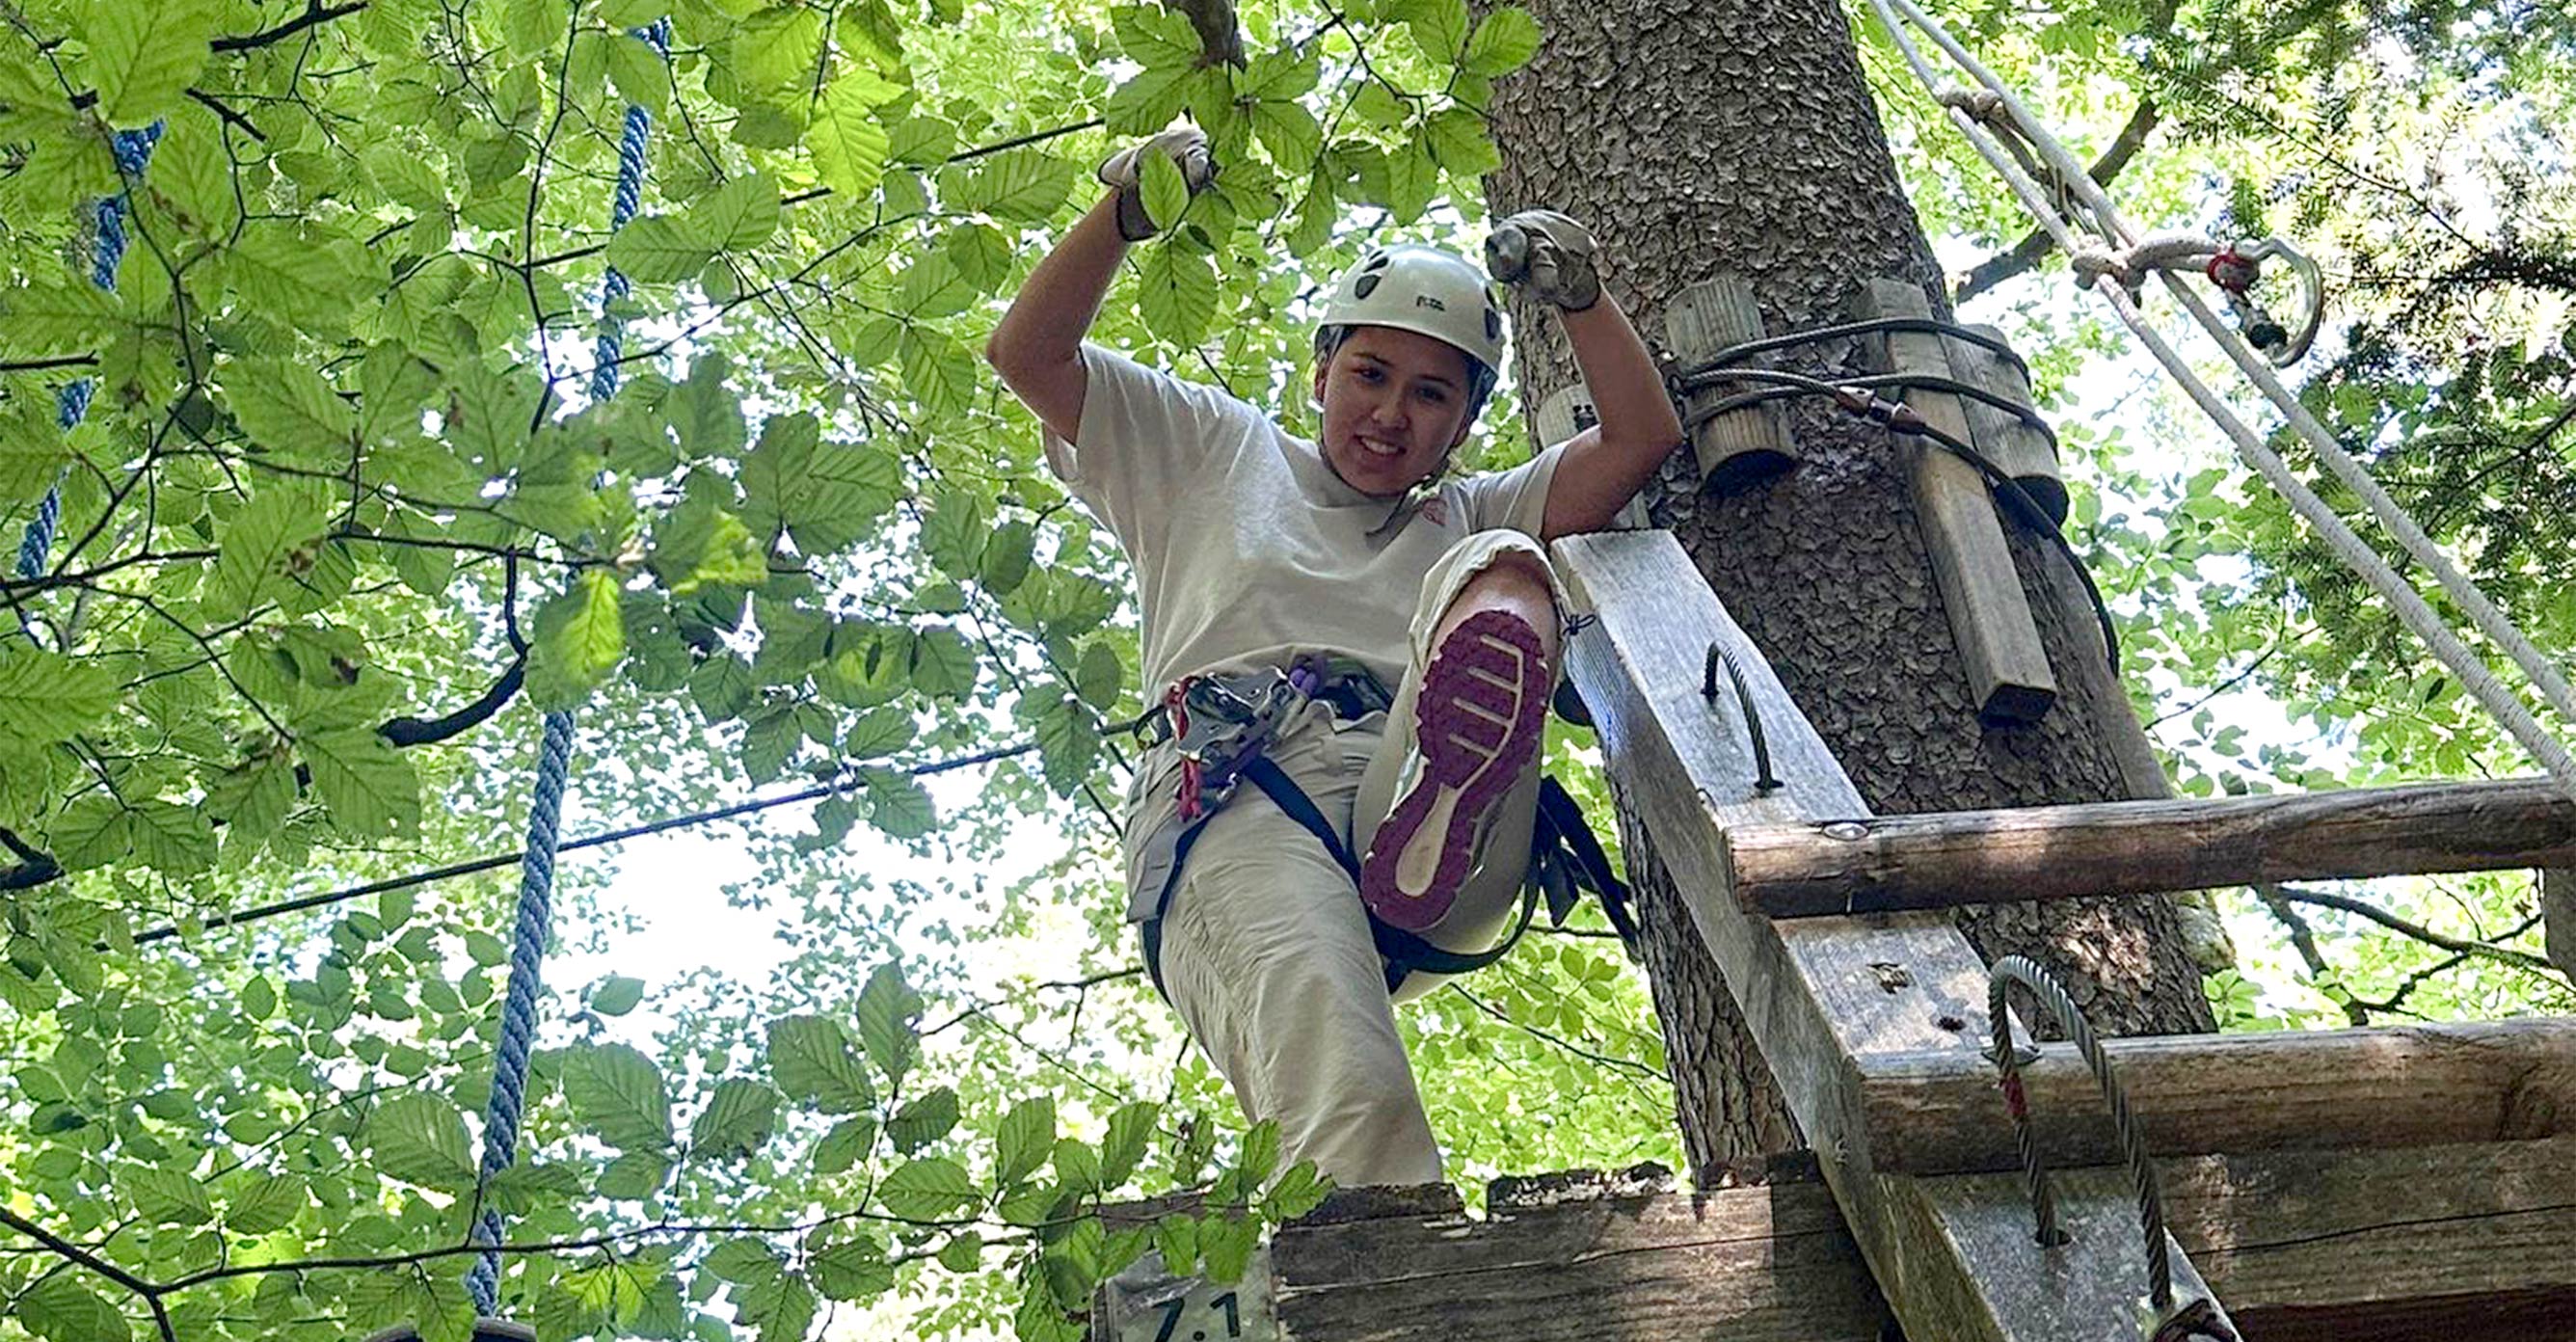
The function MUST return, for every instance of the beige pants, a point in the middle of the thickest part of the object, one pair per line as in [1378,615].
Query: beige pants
[1265,945]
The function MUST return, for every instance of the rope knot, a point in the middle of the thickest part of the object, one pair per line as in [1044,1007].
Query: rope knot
[1983,104]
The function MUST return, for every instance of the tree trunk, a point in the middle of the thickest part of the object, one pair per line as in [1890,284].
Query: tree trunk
[1740,137]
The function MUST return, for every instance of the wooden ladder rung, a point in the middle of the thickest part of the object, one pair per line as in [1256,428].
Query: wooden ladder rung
[1890,862]
[2396,1087]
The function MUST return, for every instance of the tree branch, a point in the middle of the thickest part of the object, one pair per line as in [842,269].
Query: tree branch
[2523,960]
[151,1294]
[2036,244]
[315,14]
[33,868]
[40,365]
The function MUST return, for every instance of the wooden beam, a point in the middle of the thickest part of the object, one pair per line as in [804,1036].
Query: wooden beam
[2437,1244]
[2008,674]
[1937,860]
[2404,1086]
[1824,998]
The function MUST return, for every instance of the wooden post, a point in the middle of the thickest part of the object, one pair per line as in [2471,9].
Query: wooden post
[2008,673]
[1947,858]
[1826,998]
[1566,412]
[2025,451]
[1740,447]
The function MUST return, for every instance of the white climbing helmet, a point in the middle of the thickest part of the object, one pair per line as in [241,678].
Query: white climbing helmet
[1423,290]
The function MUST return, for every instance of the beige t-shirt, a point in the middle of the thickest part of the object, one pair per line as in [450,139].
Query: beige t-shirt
[1247,548]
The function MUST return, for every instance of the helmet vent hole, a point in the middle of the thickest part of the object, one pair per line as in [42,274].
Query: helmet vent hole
[1364,286]
[1376,261]
[1493,324]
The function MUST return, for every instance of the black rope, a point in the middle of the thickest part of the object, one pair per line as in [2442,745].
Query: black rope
[1901,418]
[481,864]
[1706,374]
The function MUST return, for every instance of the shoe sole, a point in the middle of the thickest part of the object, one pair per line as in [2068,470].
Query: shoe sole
[1477,724]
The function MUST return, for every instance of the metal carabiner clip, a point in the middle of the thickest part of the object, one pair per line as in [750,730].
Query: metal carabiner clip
[2282,343]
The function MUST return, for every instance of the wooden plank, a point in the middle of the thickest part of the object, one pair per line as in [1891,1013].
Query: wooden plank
[1745,1264]
[1743,446]
[2439,1244]
[2421,1085]
[2147,847]
[2020,448]
[1823,997]
[1990,620]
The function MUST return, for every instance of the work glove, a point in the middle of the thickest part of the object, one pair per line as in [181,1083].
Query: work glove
[1546,255]
[1185,146]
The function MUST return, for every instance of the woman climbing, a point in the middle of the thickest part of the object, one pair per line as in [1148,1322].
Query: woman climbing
[1284,584]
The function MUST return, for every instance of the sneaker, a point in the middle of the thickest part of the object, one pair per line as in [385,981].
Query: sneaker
[1477,725]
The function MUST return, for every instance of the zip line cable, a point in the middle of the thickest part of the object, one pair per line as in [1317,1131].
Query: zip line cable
[2506,706]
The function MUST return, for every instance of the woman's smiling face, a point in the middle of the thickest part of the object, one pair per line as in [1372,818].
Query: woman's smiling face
[1395,403]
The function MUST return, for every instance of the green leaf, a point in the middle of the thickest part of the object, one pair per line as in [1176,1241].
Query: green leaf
[193,174]
[899,805]
[1177,292]
[616,995]
[53,316]
[1158,39]
[45,697]
[741,214]
[273,539]
[1068,744]
[1004,565]
[1129,1130]
[1147,103]
[1027,1135]
[368,786]
[32,455]
[60,1308]
[633,1176]
[1505,41]
[777,49]
[933,287]
[922,1120]
[811,1059]
[888,1010]
[660,249]
[745,1262]
[642,77]
[1023,185]
[849,144]
[1439,29]
[1412,178]
[877,733]
[420,1138]
[937,370]
[842,1147]
[171,838]
[739,1118]
[928,1190]
[944,664]
[1457,139]
[142,56]
[287,407]
[166,1196]
[1101,677]
[1165,192]
[618,1093]
[963,1253]
[854,1269]
[269,1202]
[721,687]
[580,638]
[1290,133]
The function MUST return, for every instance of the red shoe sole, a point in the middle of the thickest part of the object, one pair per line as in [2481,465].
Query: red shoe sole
[1477,724]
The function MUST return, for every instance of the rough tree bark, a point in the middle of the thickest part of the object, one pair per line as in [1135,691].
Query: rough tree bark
[1740,136]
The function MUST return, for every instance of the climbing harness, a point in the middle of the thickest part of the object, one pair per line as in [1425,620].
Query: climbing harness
[1222,726]
[133,152]
[2161,1317]
[502,1113]
[1902,18]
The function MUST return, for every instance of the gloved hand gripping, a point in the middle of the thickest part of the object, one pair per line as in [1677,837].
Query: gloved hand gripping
[1548,255]
[1185,146]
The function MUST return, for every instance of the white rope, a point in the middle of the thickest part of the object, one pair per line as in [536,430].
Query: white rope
[2474,674]
[2482,612]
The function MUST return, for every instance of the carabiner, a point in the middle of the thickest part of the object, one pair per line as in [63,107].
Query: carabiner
[2283,344]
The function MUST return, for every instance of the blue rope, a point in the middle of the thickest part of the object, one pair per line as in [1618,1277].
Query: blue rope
[554,755]
[133,150]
